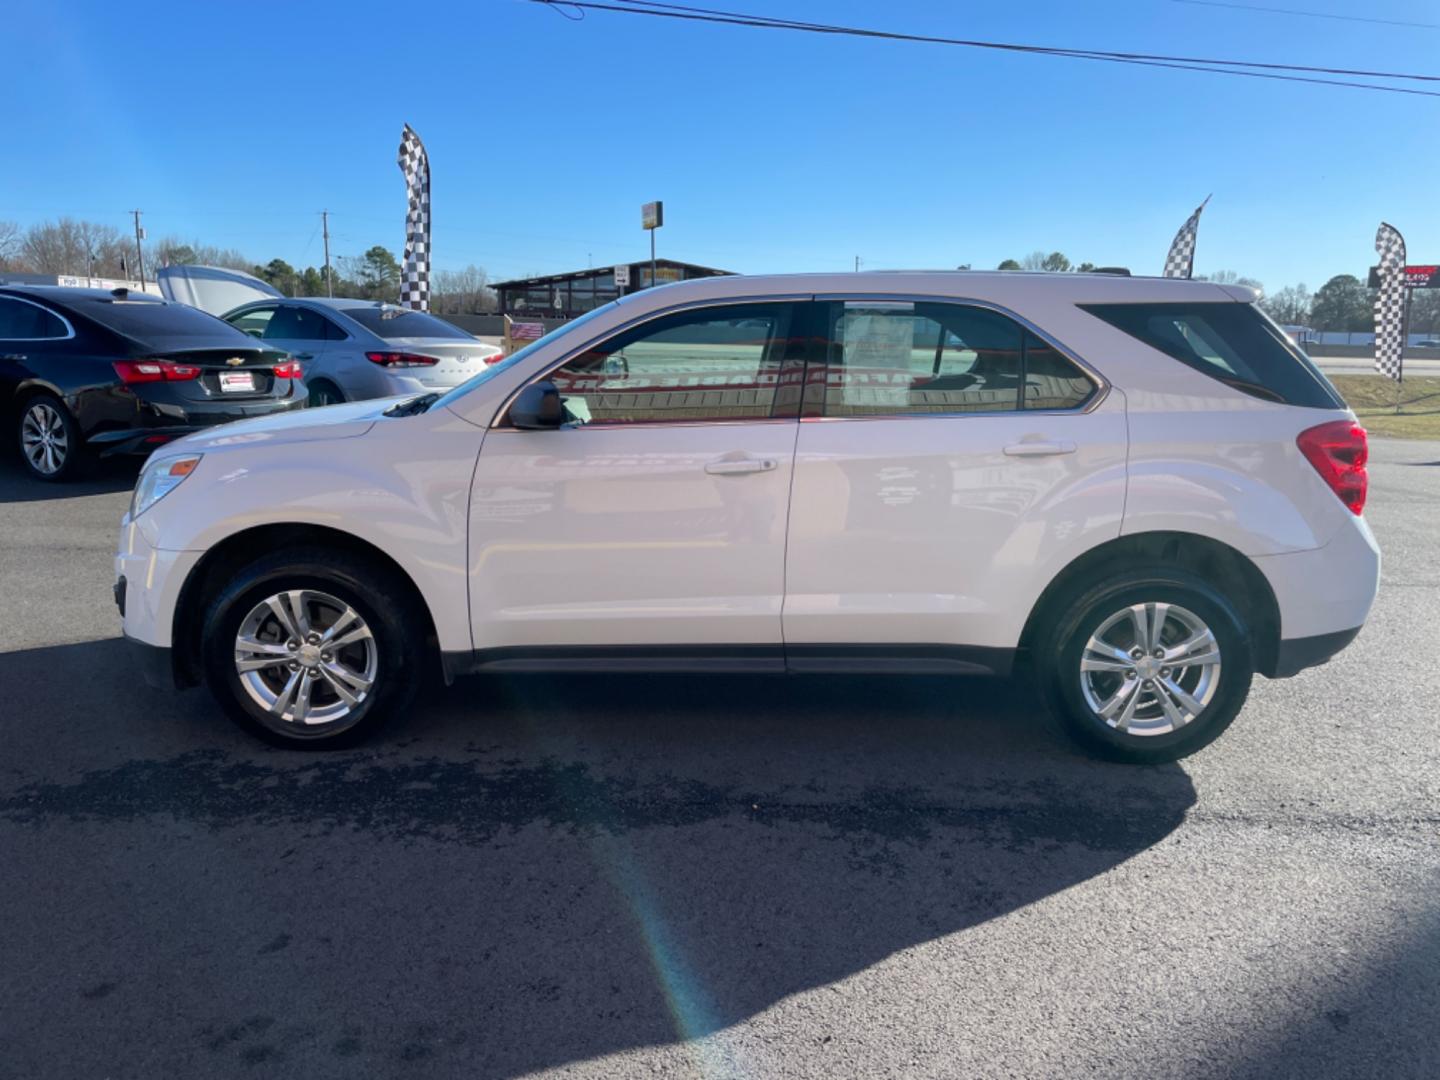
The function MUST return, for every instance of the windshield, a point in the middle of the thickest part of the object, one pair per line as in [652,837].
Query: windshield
[391,321]
[510,361]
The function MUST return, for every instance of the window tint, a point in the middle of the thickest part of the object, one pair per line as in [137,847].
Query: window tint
[887,358]
[719,363]
[22,320]
[392,322]
[253,322]
[296,324]
[1229,341]
[1051,380]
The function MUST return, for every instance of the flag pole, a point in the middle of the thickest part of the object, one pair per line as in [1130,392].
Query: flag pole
[1404,340]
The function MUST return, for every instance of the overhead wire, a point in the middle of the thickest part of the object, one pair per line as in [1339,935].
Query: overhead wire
[1301,73]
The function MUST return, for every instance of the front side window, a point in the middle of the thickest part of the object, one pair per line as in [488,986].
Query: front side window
[714,364]
[22,321]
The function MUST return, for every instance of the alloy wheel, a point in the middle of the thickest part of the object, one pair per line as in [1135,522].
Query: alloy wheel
[43,438]
[1150,669]
[306,658]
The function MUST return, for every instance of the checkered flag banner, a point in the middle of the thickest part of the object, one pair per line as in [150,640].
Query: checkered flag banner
[415,273]
[1390,302]
[1181,260]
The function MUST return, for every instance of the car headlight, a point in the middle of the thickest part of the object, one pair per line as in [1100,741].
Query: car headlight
[158,479]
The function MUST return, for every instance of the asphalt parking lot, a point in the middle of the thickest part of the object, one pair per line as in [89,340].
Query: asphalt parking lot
[613,877]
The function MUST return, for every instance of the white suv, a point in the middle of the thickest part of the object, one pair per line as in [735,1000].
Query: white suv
[1138,486]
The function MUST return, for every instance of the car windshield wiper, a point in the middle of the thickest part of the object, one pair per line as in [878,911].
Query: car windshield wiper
[414,406]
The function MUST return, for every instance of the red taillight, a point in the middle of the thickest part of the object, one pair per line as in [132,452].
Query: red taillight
[1338,451]
[143,371]
[488,360]
[290,369]
[401,359]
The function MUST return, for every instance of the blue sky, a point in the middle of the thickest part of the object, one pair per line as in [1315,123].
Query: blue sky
[773,151]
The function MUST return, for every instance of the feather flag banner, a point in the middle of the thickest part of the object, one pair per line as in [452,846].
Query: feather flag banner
[415,271]
[1181,260]
[1390,303]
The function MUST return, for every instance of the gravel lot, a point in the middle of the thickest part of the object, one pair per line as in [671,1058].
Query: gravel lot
[601,877]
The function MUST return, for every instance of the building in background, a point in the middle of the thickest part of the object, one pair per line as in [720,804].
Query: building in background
[564,296]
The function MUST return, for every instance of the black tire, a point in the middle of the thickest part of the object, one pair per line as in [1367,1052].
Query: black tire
[388,607]
[1077,616]
[46,410]
[324,392]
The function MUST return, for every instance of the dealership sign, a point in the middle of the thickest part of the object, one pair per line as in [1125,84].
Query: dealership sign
[1416,277]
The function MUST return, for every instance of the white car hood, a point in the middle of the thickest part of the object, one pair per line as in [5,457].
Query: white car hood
[345,421]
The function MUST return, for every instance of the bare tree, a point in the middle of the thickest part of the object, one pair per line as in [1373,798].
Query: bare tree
[9,244]
[172,251]
[461,292]
[70,246]
[1290,306]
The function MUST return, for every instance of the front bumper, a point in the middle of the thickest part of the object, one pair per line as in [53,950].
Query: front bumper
[154,664]
[147,585]
[1297,654]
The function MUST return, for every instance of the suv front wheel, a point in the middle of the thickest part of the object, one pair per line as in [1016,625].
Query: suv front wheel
[309,648]
[1146,666]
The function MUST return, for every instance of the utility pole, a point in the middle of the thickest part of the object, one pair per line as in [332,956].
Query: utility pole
[857,264]
[325,225]
[139,257]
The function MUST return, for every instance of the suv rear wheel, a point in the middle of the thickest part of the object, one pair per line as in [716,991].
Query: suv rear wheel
[312,649]
[1146,666]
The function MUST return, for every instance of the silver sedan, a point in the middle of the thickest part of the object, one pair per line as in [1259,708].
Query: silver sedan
[356,349]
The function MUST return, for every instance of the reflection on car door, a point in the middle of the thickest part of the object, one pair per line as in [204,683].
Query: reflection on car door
[657,516]
[950,452]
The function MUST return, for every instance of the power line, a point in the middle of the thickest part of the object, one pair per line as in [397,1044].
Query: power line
[1281,72]
[1309,14]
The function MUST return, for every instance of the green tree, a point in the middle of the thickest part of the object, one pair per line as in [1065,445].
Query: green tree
[379,273]
[1342,303]
[1009,264]
[1085,268]
[312,282]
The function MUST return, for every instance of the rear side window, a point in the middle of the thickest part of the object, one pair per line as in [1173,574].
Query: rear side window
[1228,341]
[23,321]
[890,358]
[391,322]
[297,324]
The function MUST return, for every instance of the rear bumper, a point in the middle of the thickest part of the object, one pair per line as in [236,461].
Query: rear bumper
[1297,654]
[156,423]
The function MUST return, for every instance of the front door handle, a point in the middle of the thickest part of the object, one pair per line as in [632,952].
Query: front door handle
[740,466]
[1037,448]
[304,356]
[13,356]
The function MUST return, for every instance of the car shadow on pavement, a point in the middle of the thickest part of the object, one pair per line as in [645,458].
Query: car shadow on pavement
[107,475]
[526,872]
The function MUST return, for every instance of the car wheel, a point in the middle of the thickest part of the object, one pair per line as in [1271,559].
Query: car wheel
[50,441]
[324,393]
[313,649]
[1147,666]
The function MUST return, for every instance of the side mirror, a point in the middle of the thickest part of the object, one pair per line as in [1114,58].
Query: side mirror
[537,407]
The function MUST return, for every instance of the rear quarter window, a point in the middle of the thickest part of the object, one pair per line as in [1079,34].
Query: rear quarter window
[1231,342]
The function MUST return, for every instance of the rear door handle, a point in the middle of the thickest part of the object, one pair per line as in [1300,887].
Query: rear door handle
[304,356]
[741,466]
[13,356]
[1039,449]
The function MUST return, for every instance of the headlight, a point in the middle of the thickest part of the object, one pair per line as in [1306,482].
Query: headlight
[159,479]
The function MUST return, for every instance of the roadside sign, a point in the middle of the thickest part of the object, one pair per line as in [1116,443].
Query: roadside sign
[622,277]
[1416,277]
[652,215]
